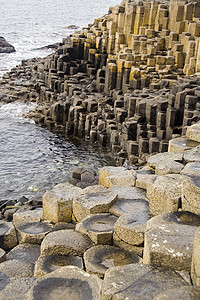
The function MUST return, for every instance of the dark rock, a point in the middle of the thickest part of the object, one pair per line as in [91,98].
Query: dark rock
[5,47]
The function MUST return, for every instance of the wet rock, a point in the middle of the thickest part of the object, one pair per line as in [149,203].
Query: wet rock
[26,252]
[195,269]
[17,288]
[111,176]
[65,242]
[23,216]
[67,282]
[8,235]
[169,240]
[32,233]
[57,203]
[165,194]
[5,47]
[49,263]
[185,292]
[191,194]
[95,199]
[17,268]
[137,281]
[99,228]
[99,258]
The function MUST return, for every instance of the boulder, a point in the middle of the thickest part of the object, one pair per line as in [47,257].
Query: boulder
[137,281]
[111,176]
[99,228]
[95,199]
[66,283]
[169,240]
[65,242]
[57,203]
[100,258]
[191,194]
[5,47]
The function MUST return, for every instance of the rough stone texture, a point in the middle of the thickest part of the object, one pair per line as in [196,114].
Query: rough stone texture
[5,47]
[23,216]
[49,263]
[2,255]
[17,289]
[168,167]
[191,169]
[99,228]
[7,235]
[145,181]
[95,199]
[32,233]
[181,144]
[66,283]
[192,155]
[57,203]
[165,194]
[169,240]
[111,176]
[185,292]
[137,281]
[191,194]
[16,268]
[126,246]
[99,258]
[65,242]
[26,252]
[195,269]
[193,132]
[130,228]
[154,160]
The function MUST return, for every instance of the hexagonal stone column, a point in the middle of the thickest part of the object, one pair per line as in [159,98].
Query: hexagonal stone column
[193,132]
[57,203]
[99,259]
[8,236]
[65,242]
[195,270]
[32,233]
[169,240]
[111,176]
[68,283]
[99,228]
[95,199]
[191,194]
[137,281]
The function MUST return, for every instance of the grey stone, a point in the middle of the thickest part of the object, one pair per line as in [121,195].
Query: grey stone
[181,144]
[191,194]
[7,235]
[99,258]
[191,169]
[32,233]
[127,247]
[195,269]
[23,216]
[185,292]
[28,252]
[17,289]
[192,155]
[168,167]
[137,281]
[16,268]
[155,160]
[65,242]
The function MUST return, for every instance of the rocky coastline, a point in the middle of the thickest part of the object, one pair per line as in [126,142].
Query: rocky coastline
[5,47]
[128,82]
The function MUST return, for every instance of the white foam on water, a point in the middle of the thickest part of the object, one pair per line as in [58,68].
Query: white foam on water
[17,110]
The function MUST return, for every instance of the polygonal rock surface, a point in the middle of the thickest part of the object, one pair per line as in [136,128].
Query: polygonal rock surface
[192,155]
[191,194]
[127,247]
[99,258]
[66,283]
[193,132]
[57,203]
[95,199]
[168,167]
[169,240]
[2,255]
[26,252]
[65,242]
[111,176]
[23,216]
[32,233]
[155,160]
[49,263]
[192,169]
[17,268]
[137,281]
[181,144]
[17,289]
[7,235]
[185,292]
[195,270]
[99,228]
[165,194]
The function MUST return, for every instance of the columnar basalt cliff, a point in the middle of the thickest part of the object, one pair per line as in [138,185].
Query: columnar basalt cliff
[124,81]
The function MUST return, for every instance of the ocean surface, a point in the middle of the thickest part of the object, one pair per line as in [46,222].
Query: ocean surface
[32,159]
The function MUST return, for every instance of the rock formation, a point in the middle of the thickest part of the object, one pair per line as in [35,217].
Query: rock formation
[5,47]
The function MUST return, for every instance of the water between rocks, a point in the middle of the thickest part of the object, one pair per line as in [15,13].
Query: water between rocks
[33,159]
